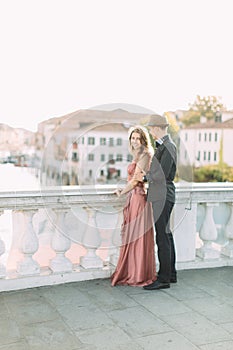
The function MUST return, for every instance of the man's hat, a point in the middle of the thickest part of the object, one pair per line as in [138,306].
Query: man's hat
[157,120]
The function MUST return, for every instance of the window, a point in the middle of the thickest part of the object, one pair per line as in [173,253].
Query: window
[111,141]
[119,142]
[209,156]
[91,140]
[102,157]
[103,141]
[74,157]
[129,157]
[218,117]
[198,155]
[216,137]
[91,157]
[205,136]
[101,172]
[204,155]
[90,173]
[110,157]
[81,140]
[199,136]
[119,158]
[215,156]
[210,136]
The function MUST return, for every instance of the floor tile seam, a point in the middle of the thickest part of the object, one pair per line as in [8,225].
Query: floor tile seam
[225,304]
[218,342]
[67,328]
[231,335]
[162,317]
[15,342]
[226,323]
[19,323]
[7,309]
[120,308]
[75,331]
[213,343]
[10,312]
[112,326]
[202,289]
[55,305]
[149,334]
[29,303]
[205,316]
[229,332]
[115,322]
[158,317]
[172,331]
[194,344]
[145,307]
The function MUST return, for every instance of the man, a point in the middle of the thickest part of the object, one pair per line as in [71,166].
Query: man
[161,192]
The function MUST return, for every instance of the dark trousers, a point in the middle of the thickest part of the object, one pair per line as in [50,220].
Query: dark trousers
[164,240]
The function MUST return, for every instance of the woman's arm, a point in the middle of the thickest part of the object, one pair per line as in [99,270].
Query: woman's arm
[141,167]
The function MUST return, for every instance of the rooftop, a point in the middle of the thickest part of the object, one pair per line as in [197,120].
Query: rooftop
[228,124]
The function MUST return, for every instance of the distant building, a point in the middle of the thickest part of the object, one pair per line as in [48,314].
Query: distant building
[86,147]
[207,143]
[16,143]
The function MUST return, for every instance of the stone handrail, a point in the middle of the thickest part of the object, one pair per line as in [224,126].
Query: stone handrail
[71,233]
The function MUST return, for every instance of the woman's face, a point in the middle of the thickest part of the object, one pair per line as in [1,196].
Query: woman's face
[135,140]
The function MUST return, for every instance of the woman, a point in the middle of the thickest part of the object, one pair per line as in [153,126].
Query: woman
[136,263]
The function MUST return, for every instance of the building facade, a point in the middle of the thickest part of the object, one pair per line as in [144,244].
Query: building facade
[86,147]
[206,143]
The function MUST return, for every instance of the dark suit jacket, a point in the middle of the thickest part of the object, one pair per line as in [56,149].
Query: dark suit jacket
[162,172]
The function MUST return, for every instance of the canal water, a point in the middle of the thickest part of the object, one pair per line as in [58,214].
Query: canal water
[17,178]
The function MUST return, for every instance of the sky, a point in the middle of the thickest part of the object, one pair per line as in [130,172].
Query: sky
[59,56]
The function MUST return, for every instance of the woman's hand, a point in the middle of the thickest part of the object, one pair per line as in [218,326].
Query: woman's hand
[139,176]
[118,192]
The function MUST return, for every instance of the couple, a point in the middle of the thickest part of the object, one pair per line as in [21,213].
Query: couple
[136,263]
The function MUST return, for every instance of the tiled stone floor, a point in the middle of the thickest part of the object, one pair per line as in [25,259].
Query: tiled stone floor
[195,313]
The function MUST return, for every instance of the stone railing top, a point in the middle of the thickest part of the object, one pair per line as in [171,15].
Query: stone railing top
[58,197]
[205,192]
[64,196]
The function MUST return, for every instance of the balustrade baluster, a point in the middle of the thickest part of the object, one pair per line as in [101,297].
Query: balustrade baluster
[208,234]
[60,244]
[114,251]
[91,241]
[228,249]
[2,251]
[29,245]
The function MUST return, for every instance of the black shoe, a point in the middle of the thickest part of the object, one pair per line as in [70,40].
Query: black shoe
[157,285]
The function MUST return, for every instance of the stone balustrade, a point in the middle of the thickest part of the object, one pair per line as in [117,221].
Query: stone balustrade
[59,235]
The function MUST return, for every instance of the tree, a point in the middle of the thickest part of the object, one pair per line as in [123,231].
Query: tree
[173,128]
[209,107]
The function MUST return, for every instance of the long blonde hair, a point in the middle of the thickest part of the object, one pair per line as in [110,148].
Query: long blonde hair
[146,145]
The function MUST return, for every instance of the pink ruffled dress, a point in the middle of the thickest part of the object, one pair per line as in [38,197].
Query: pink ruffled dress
[136,263]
